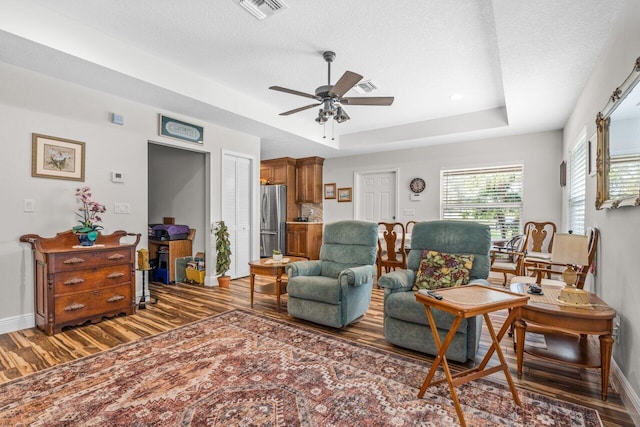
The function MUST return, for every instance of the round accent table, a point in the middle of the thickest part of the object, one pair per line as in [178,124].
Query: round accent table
[270,267]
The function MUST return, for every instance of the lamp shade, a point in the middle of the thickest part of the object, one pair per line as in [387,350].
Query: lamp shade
[572,249]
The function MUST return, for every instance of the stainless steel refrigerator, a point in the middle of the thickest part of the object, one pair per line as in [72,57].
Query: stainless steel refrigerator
[273,217]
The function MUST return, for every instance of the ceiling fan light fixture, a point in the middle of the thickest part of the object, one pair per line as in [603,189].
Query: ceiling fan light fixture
[341,115]
[321,119]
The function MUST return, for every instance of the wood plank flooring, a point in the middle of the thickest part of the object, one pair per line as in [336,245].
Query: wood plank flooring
[27,351]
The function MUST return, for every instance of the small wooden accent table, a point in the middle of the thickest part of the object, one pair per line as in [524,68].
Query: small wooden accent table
[269,267]
[465,302]
[566,331]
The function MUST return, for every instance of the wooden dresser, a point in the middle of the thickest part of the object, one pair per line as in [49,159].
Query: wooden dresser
[74,285]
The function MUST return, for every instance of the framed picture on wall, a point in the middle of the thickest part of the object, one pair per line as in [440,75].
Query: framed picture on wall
[344,194]
[592,145]
[57,158]
[330,191]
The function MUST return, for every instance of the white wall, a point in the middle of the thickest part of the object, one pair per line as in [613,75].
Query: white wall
[540,153]
[617,262]
[36,103]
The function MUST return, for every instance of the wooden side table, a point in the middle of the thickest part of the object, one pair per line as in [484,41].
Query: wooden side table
[464,302]
[269,267]
[566,331]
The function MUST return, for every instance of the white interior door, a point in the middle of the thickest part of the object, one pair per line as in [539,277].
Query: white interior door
[236,210]
[376,196]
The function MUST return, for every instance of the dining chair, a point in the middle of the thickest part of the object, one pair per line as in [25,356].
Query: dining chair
[391,247]
[509,259]
[539,244]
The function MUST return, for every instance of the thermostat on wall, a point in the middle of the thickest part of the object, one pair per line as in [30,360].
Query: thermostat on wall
[117,177]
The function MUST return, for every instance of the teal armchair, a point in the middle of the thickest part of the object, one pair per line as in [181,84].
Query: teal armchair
[405,319]
[336,289]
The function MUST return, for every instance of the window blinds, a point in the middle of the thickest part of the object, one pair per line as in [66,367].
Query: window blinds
[577,187]
[491,196]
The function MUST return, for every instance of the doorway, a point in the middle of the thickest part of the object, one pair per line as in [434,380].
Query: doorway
[178,187]
[376,195]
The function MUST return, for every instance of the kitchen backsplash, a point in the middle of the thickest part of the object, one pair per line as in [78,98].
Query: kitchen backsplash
[312,210]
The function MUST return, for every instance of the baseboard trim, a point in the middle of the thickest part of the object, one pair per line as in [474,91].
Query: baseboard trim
[15,323]
[626,392]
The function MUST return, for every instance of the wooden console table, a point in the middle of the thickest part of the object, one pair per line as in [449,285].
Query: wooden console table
[464,302]
[74,285]
[566,330]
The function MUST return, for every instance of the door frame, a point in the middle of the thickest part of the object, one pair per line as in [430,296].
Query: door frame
[206,195]
[357,194]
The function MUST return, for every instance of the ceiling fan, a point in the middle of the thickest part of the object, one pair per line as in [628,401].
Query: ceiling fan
[331,96]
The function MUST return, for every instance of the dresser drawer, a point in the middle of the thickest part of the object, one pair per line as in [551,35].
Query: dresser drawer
[91,279]
[88,259]
[92,303]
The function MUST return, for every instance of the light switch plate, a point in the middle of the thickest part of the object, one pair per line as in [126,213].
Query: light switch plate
[29,205]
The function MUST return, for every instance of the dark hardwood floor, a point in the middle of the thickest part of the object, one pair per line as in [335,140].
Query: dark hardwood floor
[26,351]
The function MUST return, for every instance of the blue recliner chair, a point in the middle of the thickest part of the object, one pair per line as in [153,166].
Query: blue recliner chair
[336,289]
[405,319]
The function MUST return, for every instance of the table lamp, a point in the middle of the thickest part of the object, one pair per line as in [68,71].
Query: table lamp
[572,250]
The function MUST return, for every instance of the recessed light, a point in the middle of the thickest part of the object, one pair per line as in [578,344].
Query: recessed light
[457,96]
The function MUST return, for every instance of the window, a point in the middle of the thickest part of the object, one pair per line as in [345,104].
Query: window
[491,196]
[577,186]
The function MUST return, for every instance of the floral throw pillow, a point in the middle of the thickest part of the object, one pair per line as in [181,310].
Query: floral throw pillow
[442,270]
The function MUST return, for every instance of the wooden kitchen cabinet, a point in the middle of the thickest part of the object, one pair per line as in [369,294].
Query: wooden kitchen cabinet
[304,239]
[77,284]
[278,171]
[282,171]
[309,180]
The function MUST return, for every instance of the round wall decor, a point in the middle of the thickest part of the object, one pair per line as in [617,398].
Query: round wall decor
[417,185]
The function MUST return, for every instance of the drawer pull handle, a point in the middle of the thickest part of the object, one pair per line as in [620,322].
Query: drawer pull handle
[73,260]
[115,298]
[74,281]
[74,306]
[115,275]
[115,257]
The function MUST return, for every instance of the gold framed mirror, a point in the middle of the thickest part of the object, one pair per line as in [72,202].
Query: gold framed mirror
[618,156]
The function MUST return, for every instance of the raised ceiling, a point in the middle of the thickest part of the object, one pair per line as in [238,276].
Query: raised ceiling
[519,65]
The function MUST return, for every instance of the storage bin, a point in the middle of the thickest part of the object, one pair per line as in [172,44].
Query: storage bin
[195,275]
[161,275]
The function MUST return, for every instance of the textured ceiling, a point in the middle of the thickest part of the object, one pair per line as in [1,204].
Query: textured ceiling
[519,65]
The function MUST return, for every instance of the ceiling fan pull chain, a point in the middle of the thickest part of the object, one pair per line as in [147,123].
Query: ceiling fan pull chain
[333,130]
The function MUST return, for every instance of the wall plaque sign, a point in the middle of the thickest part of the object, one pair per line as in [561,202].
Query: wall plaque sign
[178,129]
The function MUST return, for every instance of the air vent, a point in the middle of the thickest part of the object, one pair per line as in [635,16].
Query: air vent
[262,9]
[366,86]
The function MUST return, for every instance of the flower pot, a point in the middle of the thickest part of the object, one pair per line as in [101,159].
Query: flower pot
[87,239]
[277,257]
[223,281]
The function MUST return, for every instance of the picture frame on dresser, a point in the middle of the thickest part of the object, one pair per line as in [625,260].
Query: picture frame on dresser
[57,158]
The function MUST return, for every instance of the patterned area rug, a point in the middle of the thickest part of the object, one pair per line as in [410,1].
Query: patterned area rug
[243,369]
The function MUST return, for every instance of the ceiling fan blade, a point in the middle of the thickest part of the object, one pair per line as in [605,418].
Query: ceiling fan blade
[346,82]
[294,92]
[372,100]
[306,107]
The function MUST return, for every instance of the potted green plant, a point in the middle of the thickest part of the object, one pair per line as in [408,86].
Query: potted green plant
[223,254]
[277,255]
